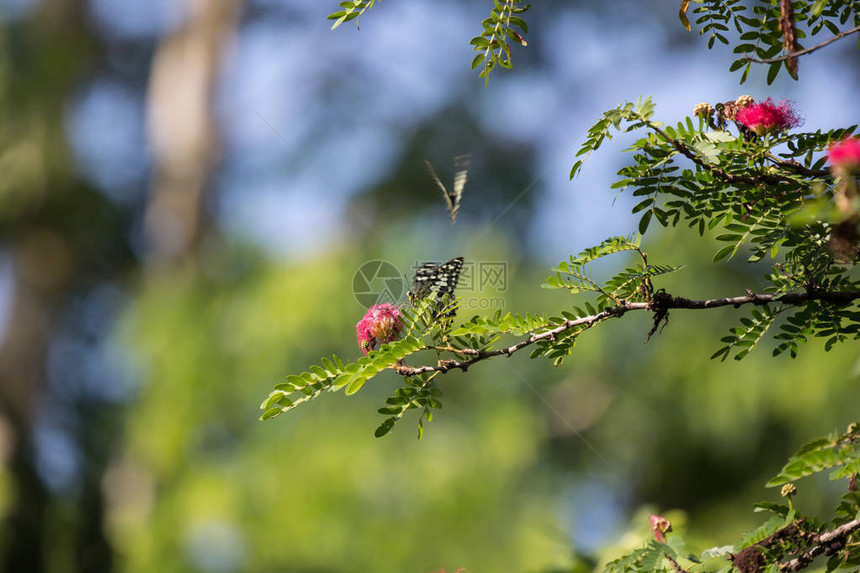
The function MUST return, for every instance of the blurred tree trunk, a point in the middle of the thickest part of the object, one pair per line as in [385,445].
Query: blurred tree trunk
[65,238]
[20,380]
[42,260]
[182,132]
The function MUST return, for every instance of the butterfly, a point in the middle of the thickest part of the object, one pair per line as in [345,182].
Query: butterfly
[441,279]
[452,199]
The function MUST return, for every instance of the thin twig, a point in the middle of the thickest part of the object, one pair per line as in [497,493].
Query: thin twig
[789,55]
[675,564]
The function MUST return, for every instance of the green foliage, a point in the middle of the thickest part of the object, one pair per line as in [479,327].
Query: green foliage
[760,36]
[504,25]
[212,347]
[631,284]
[765,193]
[636,114]
[823,320]
[334,374]
[652,557]
[746,337]
[760,33]
[428,327]
[492,46]
[835,451]
[418,392]
[504,324]
[761,197]
[352,9]
[788,540]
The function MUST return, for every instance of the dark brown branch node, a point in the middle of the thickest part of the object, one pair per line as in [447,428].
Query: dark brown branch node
[660,304]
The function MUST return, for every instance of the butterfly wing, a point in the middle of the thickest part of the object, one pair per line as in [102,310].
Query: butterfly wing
[452,198]
[441,186]
[422,281]
[461,175]
[441,279]
[446,277]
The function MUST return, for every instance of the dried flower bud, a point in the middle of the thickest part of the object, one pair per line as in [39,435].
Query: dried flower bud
[744,101]
[703,110]
[728,111]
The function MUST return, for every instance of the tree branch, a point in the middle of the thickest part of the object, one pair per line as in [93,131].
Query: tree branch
[803,52]
[661,304]
[768,178]
[799,168]
[827,543]
[675,565]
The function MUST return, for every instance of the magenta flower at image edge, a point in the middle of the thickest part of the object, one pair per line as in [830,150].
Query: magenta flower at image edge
[844,156]
[767,117]
[381,323]
[660,526]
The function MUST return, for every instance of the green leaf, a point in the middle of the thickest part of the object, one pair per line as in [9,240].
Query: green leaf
[322,374]
[723,253]
[272,399]
[270,413]
[772,507]
[772,72]
[390,410]
[818,7]
[328,365]
[355,385]
[385,427]
[643,222]
[517,21]
[341,381]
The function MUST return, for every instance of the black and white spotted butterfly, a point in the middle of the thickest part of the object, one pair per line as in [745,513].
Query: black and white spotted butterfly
[452,198]
[441,279]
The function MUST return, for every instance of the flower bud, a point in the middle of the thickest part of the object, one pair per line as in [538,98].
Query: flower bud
[744,101]
[660,526]
[703,110]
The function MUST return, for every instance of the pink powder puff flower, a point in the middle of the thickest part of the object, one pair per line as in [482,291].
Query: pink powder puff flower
[380,324]
[844,157]
[660,526]
[767,117]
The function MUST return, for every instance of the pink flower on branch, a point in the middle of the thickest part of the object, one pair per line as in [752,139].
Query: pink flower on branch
[766,117]
[380,324]
[660,526]
[844,157]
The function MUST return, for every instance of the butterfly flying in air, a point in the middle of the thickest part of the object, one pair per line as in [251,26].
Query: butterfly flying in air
[436,278]
[452,198]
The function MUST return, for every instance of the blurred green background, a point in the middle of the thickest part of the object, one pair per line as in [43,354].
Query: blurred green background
[188,189]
